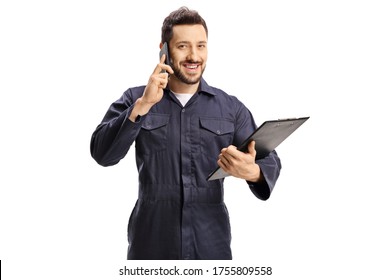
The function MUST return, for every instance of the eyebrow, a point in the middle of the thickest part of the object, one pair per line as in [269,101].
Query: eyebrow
[188,42]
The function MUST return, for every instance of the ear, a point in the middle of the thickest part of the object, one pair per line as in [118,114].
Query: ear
[161,45]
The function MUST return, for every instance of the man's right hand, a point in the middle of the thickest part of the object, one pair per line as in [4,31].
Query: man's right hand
[154,90]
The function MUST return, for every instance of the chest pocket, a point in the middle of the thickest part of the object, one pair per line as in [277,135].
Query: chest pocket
[153,136]
[215,134]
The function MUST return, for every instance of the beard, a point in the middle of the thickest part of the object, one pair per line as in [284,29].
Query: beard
[185,78]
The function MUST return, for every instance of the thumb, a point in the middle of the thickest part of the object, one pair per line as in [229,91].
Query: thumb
[251,148]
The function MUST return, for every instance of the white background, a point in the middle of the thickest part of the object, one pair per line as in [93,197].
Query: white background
[62,63]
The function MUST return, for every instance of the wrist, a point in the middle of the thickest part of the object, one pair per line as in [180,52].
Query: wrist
[255,176]
[140,108]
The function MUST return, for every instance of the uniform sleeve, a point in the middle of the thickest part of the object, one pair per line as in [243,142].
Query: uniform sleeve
[270,167]
[113,137]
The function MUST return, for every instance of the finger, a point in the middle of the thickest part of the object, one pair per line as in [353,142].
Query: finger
[169,69]
[163,82]
[159,81]
[252,149]
[162,58]
[160,66]
[159,78]
[222,165]
[163,68]
[227,160]
[232,152]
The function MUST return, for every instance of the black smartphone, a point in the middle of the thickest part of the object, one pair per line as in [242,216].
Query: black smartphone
[164,50]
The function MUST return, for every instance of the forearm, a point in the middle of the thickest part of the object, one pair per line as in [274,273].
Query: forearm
[111,140]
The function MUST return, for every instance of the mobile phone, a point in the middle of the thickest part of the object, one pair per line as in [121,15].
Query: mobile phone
[164,50]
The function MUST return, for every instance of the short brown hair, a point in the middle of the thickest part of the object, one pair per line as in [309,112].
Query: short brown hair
[181,16]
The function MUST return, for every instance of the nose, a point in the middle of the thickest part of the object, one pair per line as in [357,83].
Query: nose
[193,54]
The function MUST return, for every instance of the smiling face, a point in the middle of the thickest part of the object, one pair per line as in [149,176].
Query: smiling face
[188,52]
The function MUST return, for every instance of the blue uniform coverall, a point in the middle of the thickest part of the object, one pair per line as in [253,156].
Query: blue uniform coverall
[178,213]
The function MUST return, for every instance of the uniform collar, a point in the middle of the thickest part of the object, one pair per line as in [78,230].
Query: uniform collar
[205,88]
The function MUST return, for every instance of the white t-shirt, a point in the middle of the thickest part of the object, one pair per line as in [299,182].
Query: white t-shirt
[183,97]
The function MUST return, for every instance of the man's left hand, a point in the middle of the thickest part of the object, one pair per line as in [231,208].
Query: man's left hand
[239,164]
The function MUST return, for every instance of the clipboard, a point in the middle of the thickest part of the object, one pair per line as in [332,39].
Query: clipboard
[267,137]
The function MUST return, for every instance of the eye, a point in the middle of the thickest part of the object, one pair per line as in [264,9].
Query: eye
[182,46]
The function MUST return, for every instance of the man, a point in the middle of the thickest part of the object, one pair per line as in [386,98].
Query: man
[182,129]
